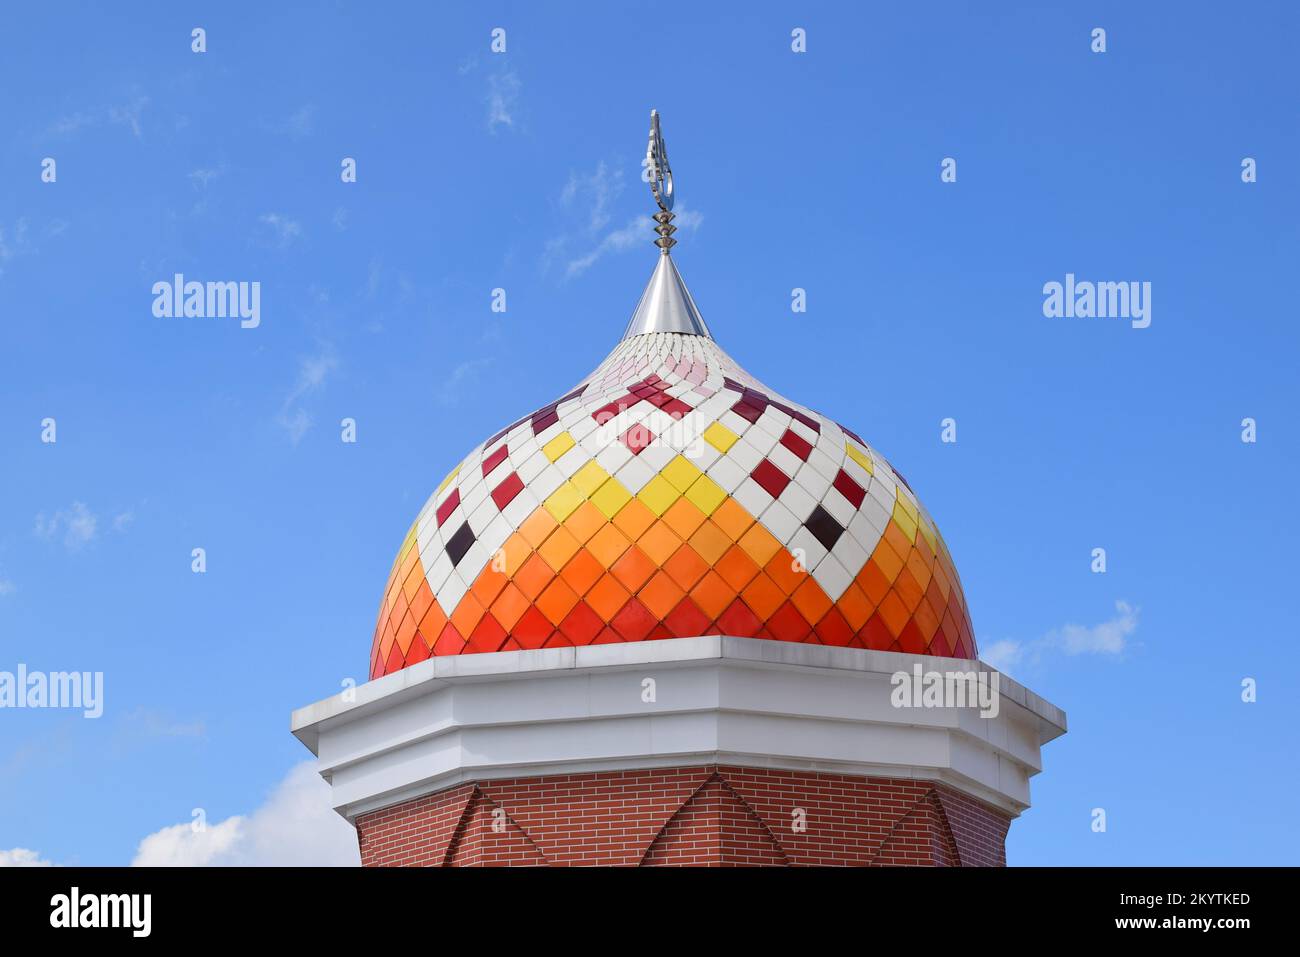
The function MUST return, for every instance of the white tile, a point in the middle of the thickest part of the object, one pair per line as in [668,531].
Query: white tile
[752,496]
[841,508]
[727,473]
[882,493]
[784,459]
[547,481]
[571,461]
[613,456]
[805,541]
[744,455]
[808,435]
[520,507]
[481,517]
[700,454]
[780,521]
[655,456]
[734,422]
[533,467]
[450,592]
[473,498]
[832,576]
[796,499]
[763,442]
[849,552]
[635,474]
[827,466]
[874,514]
[436,572]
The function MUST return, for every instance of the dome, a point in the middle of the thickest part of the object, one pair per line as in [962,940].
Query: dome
[669,495]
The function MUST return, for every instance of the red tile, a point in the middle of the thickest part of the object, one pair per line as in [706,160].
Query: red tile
[504,493]
[532,629]
[796,443]
[582,624]
[850,489]
[488,635]
[770,477]
[788,625]
[687,621]
[495,459]
[637,438]
[449,506]
[634,621]
[739,621]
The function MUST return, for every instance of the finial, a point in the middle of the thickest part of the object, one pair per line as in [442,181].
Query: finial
[661,185]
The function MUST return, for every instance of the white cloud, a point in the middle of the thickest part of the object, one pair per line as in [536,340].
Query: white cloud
[502,99]
[293,417]
[286,230]
[77,524]
[129,114]
[125,114]
[294,827]
[22,857]
[6,587]
[1109,637]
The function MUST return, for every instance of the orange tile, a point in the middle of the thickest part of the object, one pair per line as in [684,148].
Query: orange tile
[711,542]
[782,571]
[926,620]
[432,623]
[763,597]
[942,580]
[919,569]
[515,552]
[533,577]
[537,526]
[607,596]
[509,606]
[582,571]
[736,568]
[660,594]
[607,544]
[894,613]
[411,585]
[488,585]
[633,568]
[873,582]
[686,566]
[732,518]
[659,542]
[585,521]
[855,606]
[811,601]
[467,614]
[683,517]
[760,544]
[423,599]
[889,561]
[908,590]
[633,519]
[556,601]
[712,594]
[558,548]
[405,634]
[899,542]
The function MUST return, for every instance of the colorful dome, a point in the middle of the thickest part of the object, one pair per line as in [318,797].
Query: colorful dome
[670,495]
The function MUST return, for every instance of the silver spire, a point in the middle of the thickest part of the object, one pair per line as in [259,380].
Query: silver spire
[666,305]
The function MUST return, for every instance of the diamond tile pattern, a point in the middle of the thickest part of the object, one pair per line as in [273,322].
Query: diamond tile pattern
[670,495]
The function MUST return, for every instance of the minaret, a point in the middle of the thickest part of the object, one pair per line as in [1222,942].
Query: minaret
[674,617]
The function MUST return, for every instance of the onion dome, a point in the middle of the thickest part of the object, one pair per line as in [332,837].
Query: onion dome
[669,495]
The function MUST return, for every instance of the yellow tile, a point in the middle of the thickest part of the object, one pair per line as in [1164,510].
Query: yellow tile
[558,446]
[901,500]
[611,497]
[706,494]
[563,501]
[681,473]
[905,521]
[408,543]
[931,536]
[659,494]
[589,478]
[860,457]
[720,437]
[447,481]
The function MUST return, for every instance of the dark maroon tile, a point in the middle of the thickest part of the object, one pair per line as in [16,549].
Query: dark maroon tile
[459,543]
[850,489]
[824,527]
[797,444]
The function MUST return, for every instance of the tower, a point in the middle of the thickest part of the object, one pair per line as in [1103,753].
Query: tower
[674,617]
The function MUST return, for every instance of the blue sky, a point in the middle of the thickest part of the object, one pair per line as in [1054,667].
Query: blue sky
[521,171]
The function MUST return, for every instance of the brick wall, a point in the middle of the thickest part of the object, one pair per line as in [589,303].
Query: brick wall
[708,815]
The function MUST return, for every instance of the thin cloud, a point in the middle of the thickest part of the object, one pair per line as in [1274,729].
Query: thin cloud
[313,371]
[77,525]
[1110,637]
[7,587]
[461,379]
[284,230]
[295,827]
[502,100]
[128,114]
